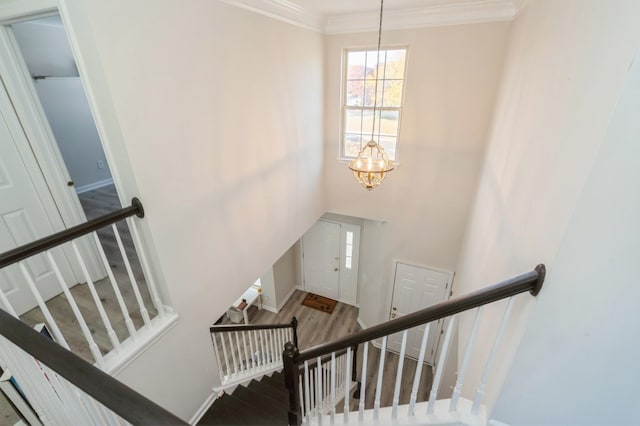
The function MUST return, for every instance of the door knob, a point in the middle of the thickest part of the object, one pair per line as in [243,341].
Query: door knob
[394,308]
[335,269]
[393,316]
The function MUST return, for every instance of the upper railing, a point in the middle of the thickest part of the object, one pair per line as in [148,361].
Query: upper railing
[300,409]
[62,387]
[244,351]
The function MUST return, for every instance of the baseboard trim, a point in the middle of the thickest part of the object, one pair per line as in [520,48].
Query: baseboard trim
[208,402]
[95,185]
[361,324]
[286,299]
[270,309]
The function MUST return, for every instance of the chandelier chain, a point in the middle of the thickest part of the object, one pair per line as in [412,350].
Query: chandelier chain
[375,96]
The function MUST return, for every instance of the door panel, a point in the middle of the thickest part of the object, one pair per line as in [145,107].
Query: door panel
[417,288]
[24,215]
[321,246]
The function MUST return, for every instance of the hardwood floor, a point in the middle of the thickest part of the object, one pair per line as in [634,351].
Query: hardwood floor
[316,327]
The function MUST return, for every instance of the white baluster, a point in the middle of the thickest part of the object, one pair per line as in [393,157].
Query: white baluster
[347,384]
[151,284]
[115,343]
[272,345]
[93,347]
[441,363]
[319,389]
[217,353]
[300,387]
[419,367]
[240,364]
[263,345]
[465,363]
[247,361]
[116,289]
[307,390]
[226,357]
[233,351]
[376,402]
[43,307]
[132,278]
[363,381]
[396,392]
[492,355]
[71,405]
[333,387]
[258,352]
[253,359]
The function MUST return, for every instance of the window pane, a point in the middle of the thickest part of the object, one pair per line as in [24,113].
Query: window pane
[367,123]
[347,263]
[258,283]
[355,92]
[355,65]
[352,144]
[388,122]
[392,96]
[394,67]
[369,92]
[353,121]
[372,63]
[349,238]
[349,250]
[389,145]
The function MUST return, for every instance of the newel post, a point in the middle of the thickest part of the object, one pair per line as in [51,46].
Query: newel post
[291,381]
[294,325]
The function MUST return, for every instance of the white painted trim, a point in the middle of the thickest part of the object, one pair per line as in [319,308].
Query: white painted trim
[282,10]
[286,299]
[95,185]
[208,402]
[428,16]
[361,324]
[270,309]
[239,379]
[147,336]
[12,11]
[493,422]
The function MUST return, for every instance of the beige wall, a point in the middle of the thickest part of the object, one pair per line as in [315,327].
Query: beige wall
[220,112]
[284,274]
[563,77]
[452,77]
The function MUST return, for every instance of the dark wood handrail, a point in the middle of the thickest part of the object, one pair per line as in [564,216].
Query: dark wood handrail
[248,327]
[20,253]
[530,281]
[116,396]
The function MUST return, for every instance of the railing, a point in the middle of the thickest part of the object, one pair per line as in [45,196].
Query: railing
[64,389]
[245,351]
[293,359]
[324,382]
[125,310]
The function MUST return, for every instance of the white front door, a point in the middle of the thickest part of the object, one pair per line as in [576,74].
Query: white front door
[27,213]
[321,248]
[417,288]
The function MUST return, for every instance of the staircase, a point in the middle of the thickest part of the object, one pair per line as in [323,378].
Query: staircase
[262,402]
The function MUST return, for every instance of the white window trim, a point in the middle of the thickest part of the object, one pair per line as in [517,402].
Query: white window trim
[343,89]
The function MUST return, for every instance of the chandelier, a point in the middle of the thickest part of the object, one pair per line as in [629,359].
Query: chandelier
[372,164]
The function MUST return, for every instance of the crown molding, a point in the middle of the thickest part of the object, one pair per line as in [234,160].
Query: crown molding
[472,12]
[429,16]
[282,10]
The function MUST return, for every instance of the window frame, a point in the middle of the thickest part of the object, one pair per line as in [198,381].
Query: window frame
[343,97]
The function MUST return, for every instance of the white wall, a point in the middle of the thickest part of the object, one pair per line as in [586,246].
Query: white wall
[451,82]
[284,274]
[65,105]
[579,355]
[563,78]
[213,115]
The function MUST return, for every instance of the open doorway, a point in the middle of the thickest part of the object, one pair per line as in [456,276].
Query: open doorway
[49,60]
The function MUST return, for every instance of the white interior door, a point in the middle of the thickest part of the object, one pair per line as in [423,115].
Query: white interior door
[321,248]
[417,288]
[27,212]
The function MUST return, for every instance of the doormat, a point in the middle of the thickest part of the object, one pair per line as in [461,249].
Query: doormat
[320,303]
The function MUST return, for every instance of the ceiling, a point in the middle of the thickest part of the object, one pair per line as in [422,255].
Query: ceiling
[344,16]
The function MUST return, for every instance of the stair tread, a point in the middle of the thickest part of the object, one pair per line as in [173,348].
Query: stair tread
[267,406]
[279,392]
[233,411]
[258,413]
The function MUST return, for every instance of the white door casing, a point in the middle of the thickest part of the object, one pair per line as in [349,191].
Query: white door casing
[27,212]
[417,288]
[321,248]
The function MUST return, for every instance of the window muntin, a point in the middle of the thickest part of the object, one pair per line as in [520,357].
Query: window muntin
[359,98]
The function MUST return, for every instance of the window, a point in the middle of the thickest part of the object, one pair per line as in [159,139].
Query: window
[348,256]
[358,99]
[258,283]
